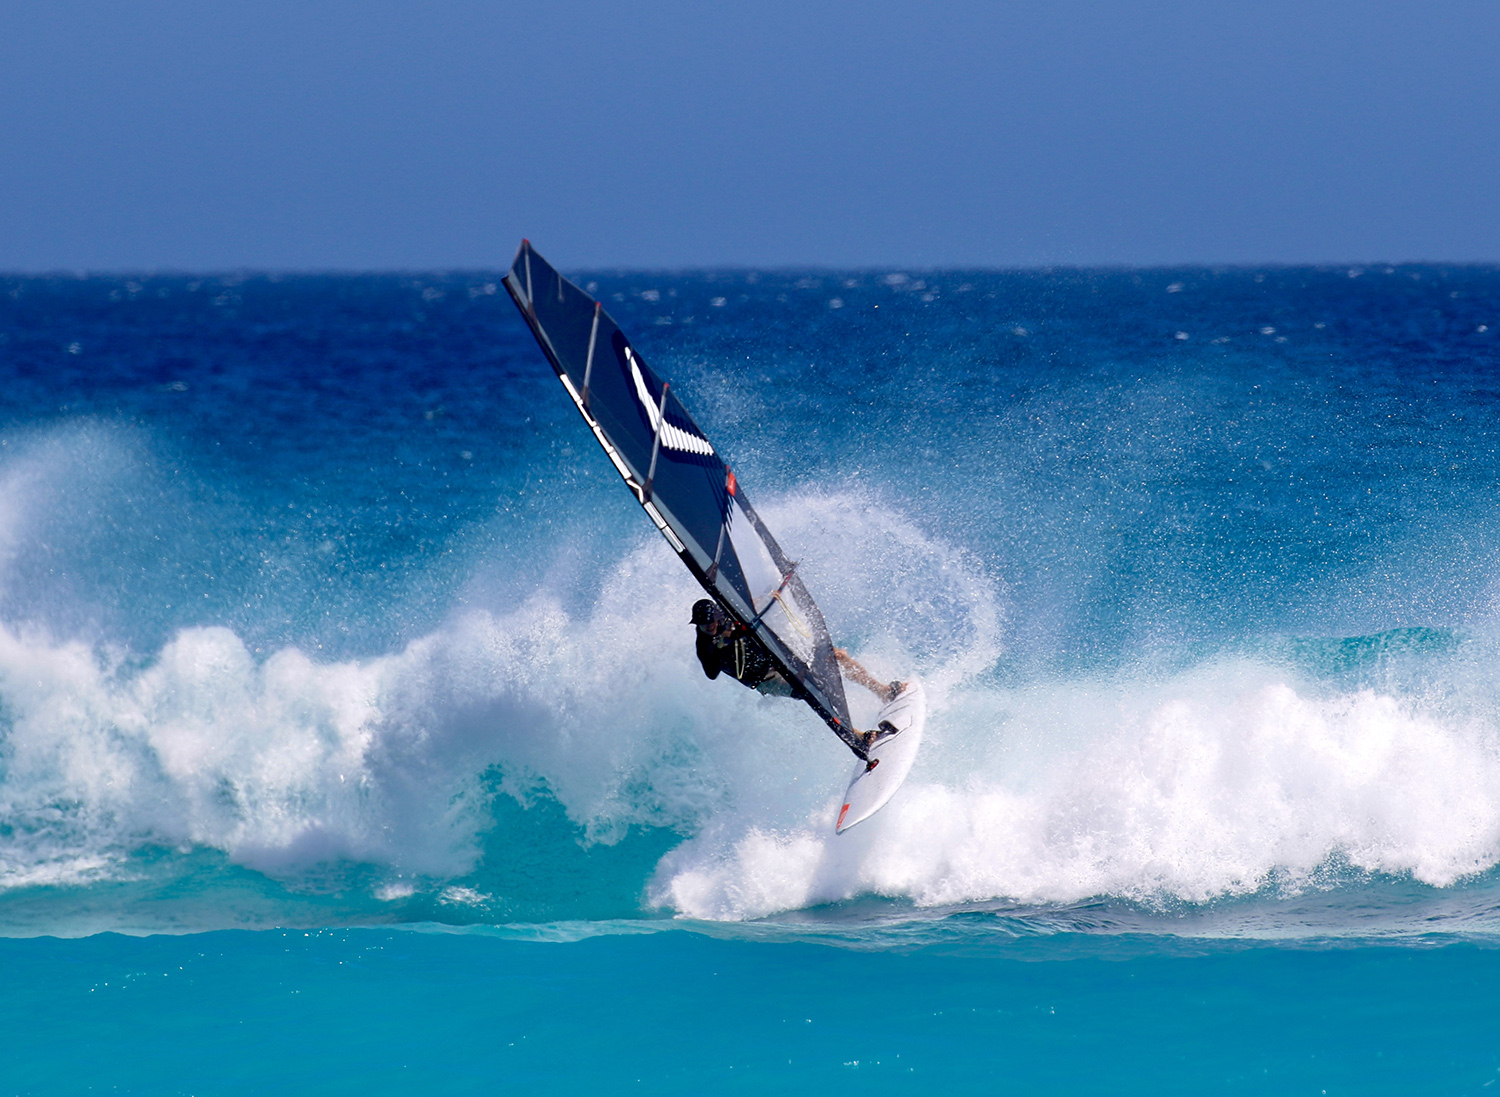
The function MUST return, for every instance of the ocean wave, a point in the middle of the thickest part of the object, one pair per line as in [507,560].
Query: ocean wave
[406,779]
[288,763]
[1227,780]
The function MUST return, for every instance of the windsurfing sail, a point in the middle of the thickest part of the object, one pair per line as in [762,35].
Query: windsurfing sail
[682,482]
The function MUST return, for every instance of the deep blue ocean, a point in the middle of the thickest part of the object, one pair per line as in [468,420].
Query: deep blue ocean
[352,739]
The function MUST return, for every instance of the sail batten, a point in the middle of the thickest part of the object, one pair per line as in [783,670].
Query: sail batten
[682,482]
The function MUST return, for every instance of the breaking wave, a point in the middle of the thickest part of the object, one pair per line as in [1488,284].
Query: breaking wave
[405,783]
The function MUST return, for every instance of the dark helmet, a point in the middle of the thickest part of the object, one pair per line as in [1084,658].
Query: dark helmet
[704,611]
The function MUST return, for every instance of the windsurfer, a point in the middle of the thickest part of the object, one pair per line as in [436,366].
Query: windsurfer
[725,646]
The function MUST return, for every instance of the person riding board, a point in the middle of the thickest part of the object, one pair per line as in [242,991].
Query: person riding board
[725,646]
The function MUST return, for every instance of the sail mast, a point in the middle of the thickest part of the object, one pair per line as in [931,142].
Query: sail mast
[682,483]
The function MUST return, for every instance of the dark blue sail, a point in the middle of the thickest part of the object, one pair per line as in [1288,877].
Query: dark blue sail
[682,482]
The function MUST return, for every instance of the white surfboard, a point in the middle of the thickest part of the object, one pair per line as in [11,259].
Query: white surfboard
[876,781]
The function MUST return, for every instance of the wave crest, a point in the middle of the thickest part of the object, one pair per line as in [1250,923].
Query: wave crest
[1216,783]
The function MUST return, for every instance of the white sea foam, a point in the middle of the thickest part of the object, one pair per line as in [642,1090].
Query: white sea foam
[1204,784]
[1190,789]
[286,761]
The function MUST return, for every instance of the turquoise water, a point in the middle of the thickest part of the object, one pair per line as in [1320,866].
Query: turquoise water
[351,738]
[371,1011]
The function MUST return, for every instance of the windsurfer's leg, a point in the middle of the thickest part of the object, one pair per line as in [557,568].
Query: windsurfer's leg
[886,691]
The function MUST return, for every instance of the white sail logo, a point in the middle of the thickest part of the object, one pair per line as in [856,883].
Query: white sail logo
[673,437]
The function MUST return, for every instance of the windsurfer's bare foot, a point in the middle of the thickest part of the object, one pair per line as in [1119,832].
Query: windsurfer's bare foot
[878,734]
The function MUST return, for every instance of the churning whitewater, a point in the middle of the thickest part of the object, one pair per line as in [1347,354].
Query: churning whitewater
[398,649]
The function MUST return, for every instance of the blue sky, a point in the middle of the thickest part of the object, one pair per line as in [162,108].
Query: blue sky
[381,135]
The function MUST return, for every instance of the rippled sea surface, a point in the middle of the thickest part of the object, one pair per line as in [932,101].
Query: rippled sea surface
[351,738]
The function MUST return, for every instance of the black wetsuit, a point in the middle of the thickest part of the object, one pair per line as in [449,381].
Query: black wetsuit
[738,655]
